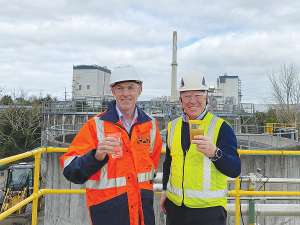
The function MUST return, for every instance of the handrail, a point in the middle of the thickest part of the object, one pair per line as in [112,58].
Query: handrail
[237,192]
[37,193]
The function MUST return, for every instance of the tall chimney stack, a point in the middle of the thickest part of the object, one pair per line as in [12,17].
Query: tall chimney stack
[174,69]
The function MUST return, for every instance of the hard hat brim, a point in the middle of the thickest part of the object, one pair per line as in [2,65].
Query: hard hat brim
[135,81]
[192,89]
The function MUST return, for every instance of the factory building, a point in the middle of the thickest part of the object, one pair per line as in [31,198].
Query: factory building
[90,81]
[228,90]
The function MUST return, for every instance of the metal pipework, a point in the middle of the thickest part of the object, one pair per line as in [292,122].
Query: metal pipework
[260,209]
[158,179]
[267,209]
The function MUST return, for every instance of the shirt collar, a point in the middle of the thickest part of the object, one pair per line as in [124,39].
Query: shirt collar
[184,117]
[122,117]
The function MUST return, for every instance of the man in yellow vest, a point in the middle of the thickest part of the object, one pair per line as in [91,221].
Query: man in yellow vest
[195,172]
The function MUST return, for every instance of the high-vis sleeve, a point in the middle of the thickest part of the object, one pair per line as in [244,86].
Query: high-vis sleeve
[79,163]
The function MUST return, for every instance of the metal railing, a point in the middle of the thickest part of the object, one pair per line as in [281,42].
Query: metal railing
[237,193]
[293,135]
[36,192]
[63,130]
[66,129]
[168,108]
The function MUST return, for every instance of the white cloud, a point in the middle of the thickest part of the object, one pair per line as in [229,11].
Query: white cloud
[40,41]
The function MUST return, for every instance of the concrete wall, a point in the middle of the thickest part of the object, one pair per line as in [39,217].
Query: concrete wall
[63,209]
[268,139]
[71,209]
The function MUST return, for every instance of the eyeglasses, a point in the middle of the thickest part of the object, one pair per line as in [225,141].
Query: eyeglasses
[198,96]
[130,89]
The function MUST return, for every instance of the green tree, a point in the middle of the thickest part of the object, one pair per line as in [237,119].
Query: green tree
[263,118]
[6,100]
[20,123]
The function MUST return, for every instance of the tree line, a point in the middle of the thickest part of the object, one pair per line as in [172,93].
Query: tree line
[20,122]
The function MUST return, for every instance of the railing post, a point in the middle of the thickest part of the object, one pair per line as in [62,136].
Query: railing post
[249,141]
[251,216]
[36,187]
[64,136]
[237,201]
[52,130]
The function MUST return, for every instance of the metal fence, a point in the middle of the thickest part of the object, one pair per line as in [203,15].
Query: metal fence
[248,143]
[150,107]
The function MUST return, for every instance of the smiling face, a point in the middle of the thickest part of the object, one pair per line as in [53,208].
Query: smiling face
[126,94]
[193,102]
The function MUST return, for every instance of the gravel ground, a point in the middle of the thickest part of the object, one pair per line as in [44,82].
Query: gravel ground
[22,220]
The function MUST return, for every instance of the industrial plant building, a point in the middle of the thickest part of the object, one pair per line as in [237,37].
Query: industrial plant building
[90,81]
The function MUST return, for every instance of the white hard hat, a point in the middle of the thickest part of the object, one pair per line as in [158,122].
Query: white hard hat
[192,81]
[122,73]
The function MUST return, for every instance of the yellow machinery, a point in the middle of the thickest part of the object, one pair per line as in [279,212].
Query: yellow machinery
[18,186]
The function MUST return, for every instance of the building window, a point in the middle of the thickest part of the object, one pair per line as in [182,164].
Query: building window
[80,87]
[88,86]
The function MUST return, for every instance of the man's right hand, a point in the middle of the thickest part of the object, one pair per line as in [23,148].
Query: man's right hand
[106,146]
[162,201]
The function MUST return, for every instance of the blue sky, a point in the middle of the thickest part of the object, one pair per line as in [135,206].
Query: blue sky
[40,41]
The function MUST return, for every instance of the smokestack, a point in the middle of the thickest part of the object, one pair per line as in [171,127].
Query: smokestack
[174,69]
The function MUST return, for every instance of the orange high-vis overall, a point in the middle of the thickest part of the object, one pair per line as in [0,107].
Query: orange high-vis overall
[121,192]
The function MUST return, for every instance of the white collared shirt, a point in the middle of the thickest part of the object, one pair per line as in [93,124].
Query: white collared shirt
[198,118]
[123,120]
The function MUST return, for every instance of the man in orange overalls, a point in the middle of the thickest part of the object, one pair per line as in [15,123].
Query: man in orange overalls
[119,191]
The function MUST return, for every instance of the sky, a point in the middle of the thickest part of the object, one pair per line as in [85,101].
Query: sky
[40,41]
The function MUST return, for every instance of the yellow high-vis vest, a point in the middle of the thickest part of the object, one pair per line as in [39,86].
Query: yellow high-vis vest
[194,180]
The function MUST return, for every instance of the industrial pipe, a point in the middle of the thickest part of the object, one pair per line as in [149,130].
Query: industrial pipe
[267,209]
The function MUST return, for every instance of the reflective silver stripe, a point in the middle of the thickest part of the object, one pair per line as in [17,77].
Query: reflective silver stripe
[206,161]
[206,194]
[100,136]
[105,183]
[69,160]
[174,190]
[100,128]
[211,127]
[172,129]
[142,177]
[152,134]
[149,175]
[206,173]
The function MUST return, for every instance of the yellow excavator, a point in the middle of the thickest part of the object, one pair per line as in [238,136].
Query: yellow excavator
[18,186]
